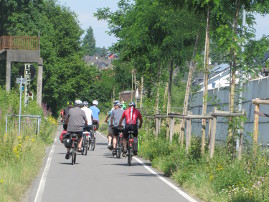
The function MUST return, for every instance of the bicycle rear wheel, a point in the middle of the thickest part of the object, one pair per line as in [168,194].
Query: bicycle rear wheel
[93,144]
[129,157]
[75,157]
[85,148]
[72,159]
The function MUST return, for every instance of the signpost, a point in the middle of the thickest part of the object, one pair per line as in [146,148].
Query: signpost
[20,81]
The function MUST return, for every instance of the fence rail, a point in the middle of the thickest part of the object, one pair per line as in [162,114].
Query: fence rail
[19,42]
[212,117]
[27,121]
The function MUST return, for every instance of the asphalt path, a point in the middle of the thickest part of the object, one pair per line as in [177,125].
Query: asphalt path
[100,177]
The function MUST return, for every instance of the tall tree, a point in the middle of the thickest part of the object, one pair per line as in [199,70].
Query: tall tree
[88,42]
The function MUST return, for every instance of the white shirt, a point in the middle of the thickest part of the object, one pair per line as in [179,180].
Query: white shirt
[88,113]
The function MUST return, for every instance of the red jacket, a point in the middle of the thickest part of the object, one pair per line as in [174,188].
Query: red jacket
[131,116]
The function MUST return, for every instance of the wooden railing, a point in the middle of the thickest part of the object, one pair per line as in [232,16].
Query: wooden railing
[19,42]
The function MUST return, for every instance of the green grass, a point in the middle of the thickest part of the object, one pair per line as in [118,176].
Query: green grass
[21,156]
[223,178]
[20,160]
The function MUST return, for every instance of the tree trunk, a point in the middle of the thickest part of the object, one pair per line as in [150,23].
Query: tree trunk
[165,95]
[158,88]
[135,87]
[188,87]
[206,69]
[132,84]
[169,96]
[233,70]
[141,92]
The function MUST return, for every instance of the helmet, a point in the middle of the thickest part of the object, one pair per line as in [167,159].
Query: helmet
[67,142]
[95,102]
[78,103]
[85,103]
[131,104]
[116,102]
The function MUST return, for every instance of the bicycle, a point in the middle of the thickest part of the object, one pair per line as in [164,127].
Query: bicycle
[85,143]
[92,137]
[74,147]
[119,145]
[130,142]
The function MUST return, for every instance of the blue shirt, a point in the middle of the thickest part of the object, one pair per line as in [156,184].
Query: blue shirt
[95,112]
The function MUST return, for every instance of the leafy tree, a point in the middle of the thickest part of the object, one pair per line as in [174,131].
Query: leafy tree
[88,42]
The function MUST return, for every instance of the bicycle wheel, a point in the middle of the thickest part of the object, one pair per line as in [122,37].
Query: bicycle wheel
[93,144]
[129,156]
[72,159]
[118,149]
[83,144]
[75,157]
[85,148]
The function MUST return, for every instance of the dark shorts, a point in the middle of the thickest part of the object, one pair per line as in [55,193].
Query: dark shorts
[96,123]
[79,133]
[130,128]
[117,130]
[65,126]
[87,128]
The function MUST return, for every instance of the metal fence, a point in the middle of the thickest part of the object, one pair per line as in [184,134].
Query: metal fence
[29,123]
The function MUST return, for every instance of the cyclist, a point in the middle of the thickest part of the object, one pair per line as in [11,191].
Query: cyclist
[110,130]
[131,116]
[123,105]
[95,113]
[115,118]
[89,115]
[75,121]
[65,114]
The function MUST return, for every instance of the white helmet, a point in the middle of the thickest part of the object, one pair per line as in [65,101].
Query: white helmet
[78,103]
[95,102]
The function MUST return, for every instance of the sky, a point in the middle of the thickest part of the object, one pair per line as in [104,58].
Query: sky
[86,8]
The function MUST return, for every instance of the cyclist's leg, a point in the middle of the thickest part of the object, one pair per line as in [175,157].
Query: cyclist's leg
[125,137]
[79,139]
[109,137]
[115,135]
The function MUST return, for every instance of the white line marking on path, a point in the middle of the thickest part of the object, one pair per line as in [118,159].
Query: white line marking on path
[39,193]
[179,191]
[182,193]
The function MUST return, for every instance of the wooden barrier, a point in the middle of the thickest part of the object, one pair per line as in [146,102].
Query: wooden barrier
[19,42]
[212,117]
[188,133]
[257,103]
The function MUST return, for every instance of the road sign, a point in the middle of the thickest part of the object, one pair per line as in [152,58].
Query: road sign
[18,80]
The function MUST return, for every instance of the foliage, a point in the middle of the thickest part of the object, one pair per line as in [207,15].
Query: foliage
[88,42]
[222,178]
[21,155]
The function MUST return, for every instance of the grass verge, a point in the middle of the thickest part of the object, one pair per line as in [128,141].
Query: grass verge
[20,160]
[223,178]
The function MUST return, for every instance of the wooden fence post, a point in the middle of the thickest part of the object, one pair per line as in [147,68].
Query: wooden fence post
[171,129]
[156,127]
[213,135]
[159,125]
[209,132]
[240,148]
[188,133]
[182,134]
[256,124]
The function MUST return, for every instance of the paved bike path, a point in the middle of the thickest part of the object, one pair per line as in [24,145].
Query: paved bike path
[100,177]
